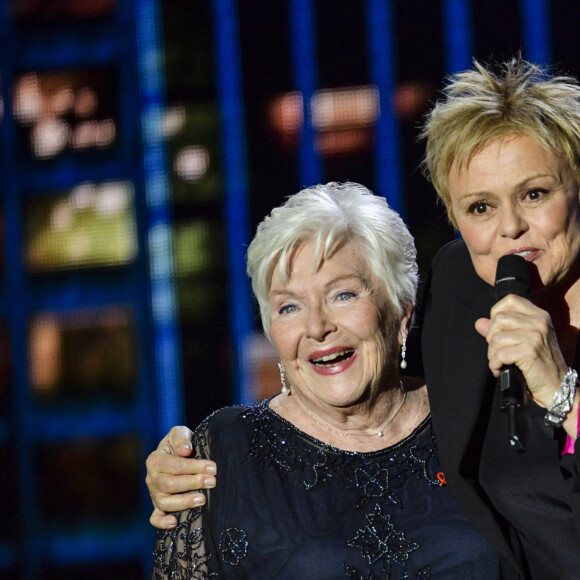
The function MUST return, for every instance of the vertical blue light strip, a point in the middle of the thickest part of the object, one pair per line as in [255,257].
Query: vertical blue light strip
[382,71]
[236,188]
[536,35]
[458,38]
[159,234]
[27,535]
[458,35]
[304,59]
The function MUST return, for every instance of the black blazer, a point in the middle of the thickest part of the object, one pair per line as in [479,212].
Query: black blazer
[461,387]
[461,390]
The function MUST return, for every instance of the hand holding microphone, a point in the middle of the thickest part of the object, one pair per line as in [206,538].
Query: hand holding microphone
[513,277]
[519,331]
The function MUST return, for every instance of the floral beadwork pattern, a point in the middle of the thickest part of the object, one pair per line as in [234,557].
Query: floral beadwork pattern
[315,463]
[378,541]
[374,482]
[233,546]
[179,553]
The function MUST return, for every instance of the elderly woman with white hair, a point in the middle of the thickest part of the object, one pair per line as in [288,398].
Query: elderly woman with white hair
[338,475]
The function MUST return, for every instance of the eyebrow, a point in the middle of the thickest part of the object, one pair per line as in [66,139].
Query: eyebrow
[520,185]
[365,282]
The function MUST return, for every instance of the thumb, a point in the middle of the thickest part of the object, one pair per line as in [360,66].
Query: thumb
[177,442]
[179,439]
[184,450]
[482,326]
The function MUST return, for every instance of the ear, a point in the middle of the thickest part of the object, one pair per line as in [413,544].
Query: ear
[406,321]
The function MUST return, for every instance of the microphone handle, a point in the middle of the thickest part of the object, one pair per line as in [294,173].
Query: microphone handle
[514,398]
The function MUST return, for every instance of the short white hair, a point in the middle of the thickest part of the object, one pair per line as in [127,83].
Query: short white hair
[329,215]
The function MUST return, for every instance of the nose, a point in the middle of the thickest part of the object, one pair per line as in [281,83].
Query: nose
[318,324]
[512,223]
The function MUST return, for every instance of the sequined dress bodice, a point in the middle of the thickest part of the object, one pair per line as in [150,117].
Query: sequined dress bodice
[289,507]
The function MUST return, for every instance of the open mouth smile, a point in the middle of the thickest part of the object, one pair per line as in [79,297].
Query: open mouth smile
[333,359]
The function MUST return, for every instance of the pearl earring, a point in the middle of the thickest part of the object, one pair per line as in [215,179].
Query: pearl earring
[403,354]
[285,388]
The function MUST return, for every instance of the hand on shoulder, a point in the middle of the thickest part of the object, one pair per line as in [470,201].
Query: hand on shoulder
[172,477]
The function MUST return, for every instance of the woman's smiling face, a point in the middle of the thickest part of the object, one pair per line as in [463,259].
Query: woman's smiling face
[334,327]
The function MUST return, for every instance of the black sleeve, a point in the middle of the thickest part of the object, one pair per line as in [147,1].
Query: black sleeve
[180,553]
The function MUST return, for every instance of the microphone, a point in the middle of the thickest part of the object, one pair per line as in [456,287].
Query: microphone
[513,277]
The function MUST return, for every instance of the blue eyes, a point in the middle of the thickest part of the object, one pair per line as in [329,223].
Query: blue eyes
[340,297]
[343,296]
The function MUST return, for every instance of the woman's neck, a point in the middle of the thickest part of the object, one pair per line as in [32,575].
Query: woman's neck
[399,417]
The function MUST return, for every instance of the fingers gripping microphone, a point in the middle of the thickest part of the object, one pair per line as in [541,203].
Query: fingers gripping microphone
[513,277]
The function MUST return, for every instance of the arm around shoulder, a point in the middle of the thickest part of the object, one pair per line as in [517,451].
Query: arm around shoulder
[173,477]
[180,552]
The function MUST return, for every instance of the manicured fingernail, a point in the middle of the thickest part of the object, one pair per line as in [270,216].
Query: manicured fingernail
[185,446]
[198,499]
[209,482]
[212,469]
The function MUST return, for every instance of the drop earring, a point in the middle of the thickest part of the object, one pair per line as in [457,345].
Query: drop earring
[285,389]
[404,354]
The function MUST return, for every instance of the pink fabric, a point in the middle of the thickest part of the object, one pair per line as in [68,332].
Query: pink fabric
[569,445]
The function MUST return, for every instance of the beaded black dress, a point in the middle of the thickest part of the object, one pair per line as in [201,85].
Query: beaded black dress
[289,507]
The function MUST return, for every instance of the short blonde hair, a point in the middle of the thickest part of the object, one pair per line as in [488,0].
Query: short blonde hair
[481,105]
[329,215]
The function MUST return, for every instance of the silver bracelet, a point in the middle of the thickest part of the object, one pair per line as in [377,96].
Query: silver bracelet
[563,400]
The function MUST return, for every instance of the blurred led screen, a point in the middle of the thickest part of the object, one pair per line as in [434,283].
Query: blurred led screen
[195,247]
[343,119]
[83,355]
[66,110]
[198,246]
[45,11]
[92,225]
[5,368]
[8,492]
[104,483]
[192,132]
[2,240]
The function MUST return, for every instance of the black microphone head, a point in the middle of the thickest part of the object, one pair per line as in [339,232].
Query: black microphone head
[512,277]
